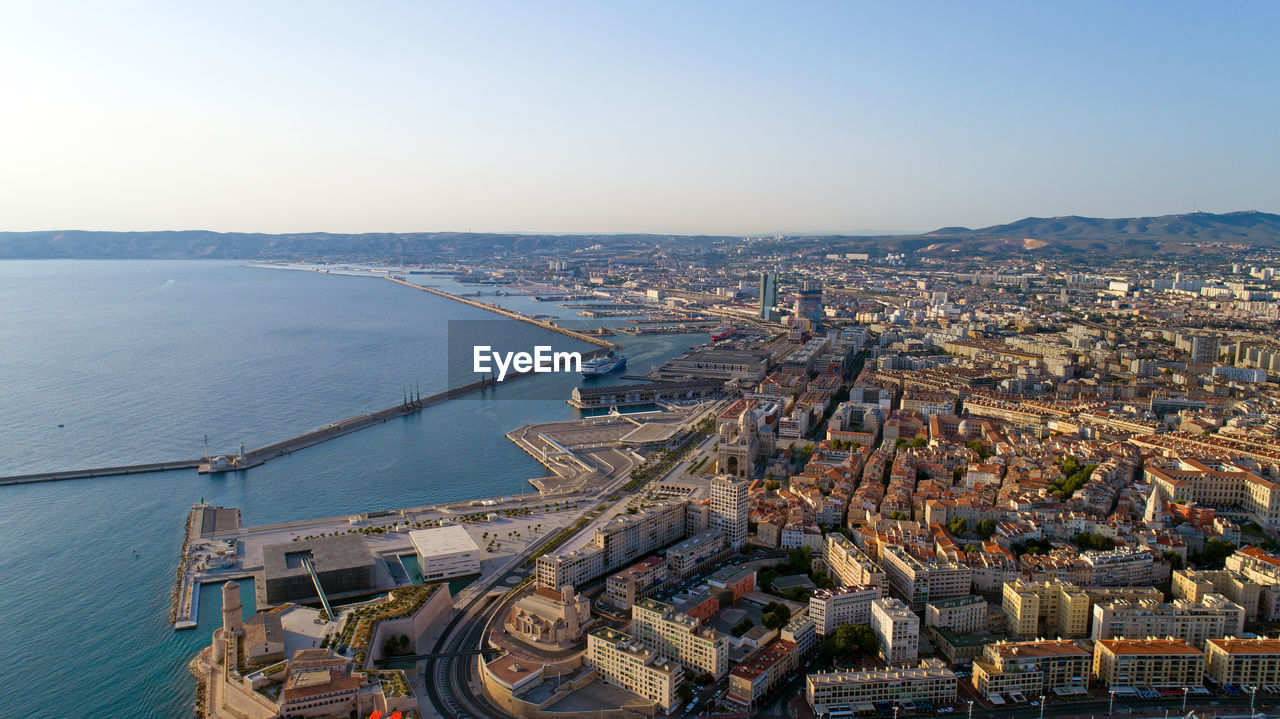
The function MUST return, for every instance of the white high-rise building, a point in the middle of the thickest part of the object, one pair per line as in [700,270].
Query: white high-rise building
[729,509]
[897,628]
[832,608]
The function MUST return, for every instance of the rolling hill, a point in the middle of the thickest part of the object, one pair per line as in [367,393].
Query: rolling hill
[1132,236]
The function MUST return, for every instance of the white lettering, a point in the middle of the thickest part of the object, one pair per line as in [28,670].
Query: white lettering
[572,362]
[543,360]
[479,354]
[502,366]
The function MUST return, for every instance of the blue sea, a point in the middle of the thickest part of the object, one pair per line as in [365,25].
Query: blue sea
[140,361]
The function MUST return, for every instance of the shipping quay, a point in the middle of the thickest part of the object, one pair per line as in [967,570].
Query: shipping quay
[590,458]
[378,546]
[512,314]
[204,522]
[597,453]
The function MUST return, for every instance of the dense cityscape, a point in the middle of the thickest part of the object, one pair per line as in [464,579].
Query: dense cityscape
[612,360]
[873,485]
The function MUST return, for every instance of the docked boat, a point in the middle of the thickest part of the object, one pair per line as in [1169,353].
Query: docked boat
[603,365]
[723,331]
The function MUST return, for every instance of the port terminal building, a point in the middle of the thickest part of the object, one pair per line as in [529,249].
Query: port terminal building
[445,552]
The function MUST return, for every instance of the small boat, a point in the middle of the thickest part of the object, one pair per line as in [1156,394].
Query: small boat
[60,426]
[603,365]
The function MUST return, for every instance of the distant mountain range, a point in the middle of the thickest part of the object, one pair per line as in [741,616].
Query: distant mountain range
[1196,232]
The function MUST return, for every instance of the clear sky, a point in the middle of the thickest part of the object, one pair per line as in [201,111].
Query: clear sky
[716,117]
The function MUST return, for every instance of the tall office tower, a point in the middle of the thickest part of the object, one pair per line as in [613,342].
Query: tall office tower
[768,294]
[729,509]
[809,302]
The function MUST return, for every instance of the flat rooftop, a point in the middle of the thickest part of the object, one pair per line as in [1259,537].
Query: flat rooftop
[345,551]
[1247,646]
[651,433]
[1047,648]
[218,519]
[1148,646]
[441,541]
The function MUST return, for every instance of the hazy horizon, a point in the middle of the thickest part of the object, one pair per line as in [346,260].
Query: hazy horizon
[575,118]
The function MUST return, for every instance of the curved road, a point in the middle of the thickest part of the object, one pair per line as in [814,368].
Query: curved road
[448,672]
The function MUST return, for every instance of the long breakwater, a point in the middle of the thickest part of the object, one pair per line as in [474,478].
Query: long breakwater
[255,457]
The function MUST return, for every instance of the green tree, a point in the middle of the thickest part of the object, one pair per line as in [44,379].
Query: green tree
[1174,559]
[980,449]
[986,528]
[957,525]
[850,641]
[895,514]
[800,560]
[776,615]
[1214,554]
[823,579]
[1088,540]
[1032,546]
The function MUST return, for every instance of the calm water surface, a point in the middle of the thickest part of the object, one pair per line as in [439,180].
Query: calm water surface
[139,361]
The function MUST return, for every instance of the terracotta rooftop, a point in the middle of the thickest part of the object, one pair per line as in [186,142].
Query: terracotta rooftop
[1248,646]
[1148,646]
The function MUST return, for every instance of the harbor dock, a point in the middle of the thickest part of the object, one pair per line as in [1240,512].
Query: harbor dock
[511,314]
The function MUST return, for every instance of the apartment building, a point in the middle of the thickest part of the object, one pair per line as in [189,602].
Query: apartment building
[636,582]
[625,663]
[1262,567]
[685,556]
[1191,622]
[1251,662]
[761,671]
[616,544]
[628,537]
[849,565]
[679,636]
[1194,584]
[729,509]
[859,690]
[919,582]
[962,615]
[1231,489]
[569,568]
[1147,663]
[1046,608]
[1124,566]
[898,630]
[1031,667]
[833,608]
